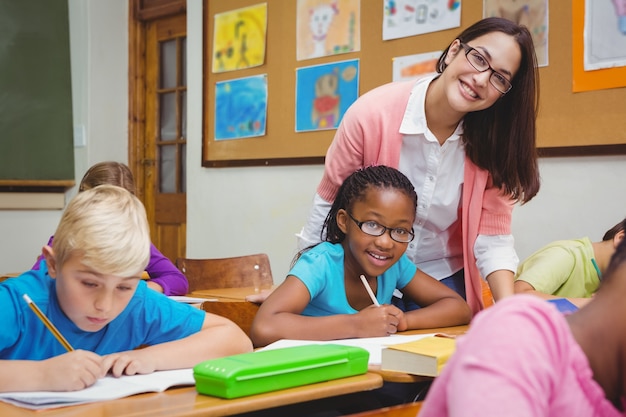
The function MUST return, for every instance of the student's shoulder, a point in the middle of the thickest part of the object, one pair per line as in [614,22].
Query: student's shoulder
[520,310]
[146,299]
[36,284]
[32,281]
[323,250]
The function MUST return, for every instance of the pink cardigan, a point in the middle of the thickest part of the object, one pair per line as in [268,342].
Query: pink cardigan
[359,143]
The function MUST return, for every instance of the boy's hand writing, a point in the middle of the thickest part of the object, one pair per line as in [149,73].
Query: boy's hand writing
[128,363]
[72,371]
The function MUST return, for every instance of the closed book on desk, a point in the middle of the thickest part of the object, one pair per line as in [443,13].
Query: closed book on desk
[426,356]
[270,370]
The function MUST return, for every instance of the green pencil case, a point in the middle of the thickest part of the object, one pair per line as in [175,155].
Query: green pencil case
[270,370]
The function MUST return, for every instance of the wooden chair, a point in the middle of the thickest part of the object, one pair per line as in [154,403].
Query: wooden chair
[402,410]
[240,312]
[487,296]
[235,272]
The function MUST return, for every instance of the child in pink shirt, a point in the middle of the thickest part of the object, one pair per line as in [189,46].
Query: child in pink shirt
[524,358]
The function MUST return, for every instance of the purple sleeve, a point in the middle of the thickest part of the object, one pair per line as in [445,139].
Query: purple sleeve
[163,272]
[40,257]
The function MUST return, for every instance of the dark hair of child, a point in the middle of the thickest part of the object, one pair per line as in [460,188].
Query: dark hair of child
[353,189]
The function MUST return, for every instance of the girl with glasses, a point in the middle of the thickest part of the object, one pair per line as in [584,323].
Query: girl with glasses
[367,229]
[465,137]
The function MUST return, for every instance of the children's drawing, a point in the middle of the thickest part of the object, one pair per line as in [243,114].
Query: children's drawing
[404,18]
[605,35]
[327,27]
[620,12]
[239,38]
[324,93]
[241,108]
[415,66]
[531,13]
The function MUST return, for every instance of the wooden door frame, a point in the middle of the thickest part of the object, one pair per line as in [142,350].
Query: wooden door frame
[140,13]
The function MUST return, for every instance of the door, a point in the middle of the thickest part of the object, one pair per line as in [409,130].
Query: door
[158,128]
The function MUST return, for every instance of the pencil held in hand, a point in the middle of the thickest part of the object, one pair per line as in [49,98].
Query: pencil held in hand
[48,323]
[369,291]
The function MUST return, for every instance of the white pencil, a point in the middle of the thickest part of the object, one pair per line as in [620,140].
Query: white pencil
[369,291]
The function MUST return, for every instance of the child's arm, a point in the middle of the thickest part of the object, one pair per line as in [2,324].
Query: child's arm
[68,372]
[218,337]
[523,287]
[279,317]
[164,276]
[440,305]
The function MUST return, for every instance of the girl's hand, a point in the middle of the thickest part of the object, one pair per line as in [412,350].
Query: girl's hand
[379,320]
[128,363]
[71,371]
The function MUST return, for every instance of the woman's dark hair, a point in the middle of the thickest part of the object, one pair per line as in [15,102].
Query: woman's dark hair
[502,138]
[353,189]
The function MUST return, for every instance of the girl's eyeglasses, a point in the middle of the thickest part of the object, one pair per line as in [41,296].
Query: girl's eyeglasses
[370,227]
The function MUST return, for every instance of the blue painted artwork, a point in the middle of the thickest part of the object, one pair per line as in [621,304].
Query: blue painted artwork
[324,93]
[241,108]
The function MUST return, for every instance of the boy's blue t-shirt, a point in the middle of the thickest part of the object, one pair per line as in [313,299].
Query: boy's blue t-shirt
[148,319]
[321,270]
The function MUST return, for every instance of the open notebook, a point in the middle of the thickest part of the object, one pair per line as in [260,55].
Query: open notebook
[374,345]
[107,388]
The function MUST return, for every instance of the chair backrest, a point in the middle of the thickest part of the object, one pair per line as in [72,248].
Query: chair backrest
[487,296]
[235,272]
[240,312]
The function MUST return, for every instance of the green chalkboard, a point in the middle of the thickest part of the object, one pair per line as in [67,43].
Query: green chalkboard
[36,147]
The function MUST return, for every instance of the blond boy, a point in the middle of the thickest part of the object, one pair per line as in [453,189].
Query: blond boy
[92,292]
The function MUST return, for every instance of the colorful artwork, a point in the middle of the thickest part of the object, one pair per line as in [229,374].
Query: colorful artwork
[403,18]
[241,108]
[324,93]
[239,38]
[531,13]
[583,80]
[605,34]
[327,27]
[414,66]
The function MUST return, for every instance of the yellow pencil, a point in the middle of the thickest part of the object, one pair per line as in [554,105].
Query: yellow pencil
[48,323]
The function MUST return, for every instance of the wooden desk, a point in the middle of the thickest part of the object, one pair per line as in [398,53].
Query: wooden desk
[395,376]
[186,402]
[7,275]
[239,293]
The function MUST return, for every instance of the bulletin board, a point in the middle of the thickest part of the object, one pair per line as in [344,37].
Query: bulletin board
[37,148]
[587,123]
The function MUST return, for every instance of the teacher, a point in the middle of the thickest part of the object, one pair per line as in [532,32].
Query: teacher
[465,137]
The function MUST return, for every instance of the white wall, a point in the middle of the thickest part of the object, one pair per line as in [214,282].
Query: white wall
[233,211]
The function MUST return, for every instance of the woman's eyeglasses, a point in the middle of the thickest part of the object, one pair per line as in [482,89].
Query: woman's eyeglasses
[372,228]
[480,64]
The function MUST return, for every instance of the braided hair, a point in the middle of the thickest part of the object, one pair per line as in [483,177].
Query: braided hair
[353,189]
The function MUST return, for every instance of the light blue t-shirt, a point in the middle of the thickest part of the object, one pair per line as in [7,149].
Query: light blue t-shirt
[321,270]
[148,319]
